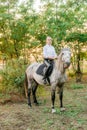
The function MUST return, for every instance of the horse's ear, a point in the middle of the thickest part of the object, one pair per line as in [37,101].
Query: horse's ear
[61,54]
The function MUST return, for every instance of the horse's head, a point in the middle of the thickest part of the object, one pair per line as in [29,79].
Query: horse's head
[66,57]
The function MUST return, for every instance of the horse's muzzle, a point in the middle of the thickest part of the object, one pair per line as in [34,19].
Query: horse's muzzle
[66,65]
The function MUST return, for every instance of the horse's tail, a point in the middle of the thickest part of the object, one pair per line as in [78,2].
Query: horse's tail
[26,85]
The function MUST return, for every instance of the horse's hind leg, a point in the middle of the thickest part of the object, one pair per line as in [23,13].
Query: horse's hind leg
[34,88]
[29,93]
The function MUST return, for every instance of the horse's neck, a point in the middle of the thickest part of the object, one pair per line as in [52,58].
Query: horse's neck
[59,65]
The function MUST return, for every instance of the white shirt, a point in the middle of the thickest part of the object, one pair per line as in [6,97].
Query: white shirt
[49,51]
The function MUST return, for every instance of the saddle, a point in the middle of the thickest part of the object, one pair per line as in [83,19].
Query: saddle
[42,69]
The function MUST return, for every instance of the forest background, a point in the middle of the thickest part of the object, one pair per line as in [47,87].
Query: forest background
[24,28]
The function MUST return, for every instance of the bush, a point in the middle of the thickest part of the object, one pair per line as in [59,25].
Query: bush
[13,76]
[71,74]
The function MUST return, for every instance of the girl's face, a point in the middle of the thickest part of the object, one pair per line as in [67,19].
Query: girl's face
[49,41]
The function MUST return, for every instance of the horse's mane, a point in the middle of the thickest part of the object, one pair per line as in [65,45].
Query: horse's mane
[65,49]
[59,62]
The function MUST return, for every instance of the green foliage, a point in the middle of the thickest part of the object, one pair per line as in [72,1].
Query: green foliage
[80,37]
[18,31]
[23,24]
[4,96]
[71,74]
[21,28]
[13,76]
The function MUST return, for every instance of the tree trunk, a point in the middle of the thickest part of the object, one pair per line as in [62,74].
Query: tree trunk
[78,71]
[16,49]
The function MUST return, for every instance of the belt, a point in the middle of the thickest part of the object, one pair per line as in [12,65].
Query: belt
[48,59]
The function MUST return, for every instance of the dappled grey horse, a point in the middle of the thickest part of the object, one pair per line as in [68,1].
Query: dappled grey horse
[57,78]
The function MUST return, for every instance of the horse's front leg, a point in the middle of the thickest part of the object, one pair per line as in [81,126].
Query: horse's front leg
[61,99]
[53,99]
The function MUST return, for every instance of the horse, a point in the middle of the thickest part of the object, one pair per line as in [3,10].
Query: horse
[57,78]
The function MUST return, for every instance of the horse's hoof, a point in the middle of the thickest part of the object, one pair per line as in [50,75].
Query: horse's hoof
[62,109]
[29,106]
[36,104]
[53,111]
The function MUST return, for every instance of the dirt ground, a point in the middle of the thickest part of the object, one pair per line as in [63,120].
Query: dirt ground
[17,115]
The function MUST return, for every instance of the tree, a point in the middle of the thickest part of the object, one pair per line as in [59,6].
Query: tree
[80,41]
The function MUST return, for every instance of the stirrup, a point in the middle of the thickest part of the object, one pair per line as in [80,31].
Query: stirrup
[48,80]
[45,82]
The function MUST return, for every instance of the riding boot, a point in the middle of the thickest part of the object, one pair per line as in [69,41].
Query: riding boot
[45,75]
[44,78]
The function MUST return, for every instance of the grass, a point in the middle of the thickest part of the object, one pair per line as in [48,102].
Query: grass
[77,86]
[17,116]
[81,121]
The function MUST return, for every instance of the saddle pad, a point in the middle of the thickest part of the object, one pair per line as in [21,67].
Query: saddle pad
[40,69]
